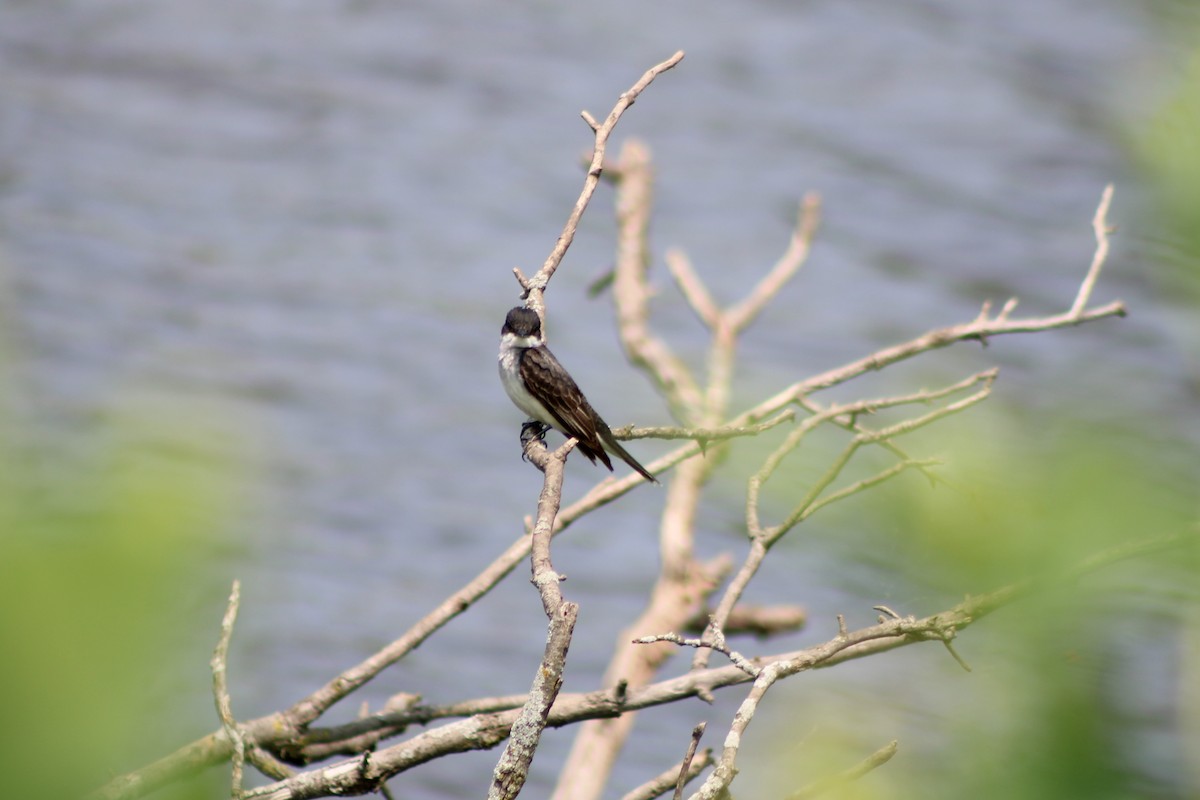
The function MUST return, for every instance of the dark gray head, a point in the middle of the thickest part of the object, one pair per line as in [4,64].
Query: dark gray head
[522,322]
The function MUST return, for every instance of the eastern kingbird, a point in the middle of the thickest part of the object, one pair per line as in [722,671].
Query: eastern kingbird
[540,387]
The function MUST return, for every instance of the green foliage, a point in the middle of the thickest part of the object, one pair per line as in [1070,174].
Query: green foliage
[1017,506]
[93,564]
[1068,696]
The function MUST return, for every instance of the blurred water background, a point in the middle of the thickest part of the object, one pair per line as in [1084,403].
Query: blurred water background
[288,229]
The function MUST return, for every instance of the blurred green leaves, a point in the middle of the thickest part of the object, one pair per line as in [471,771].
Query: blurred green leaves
[1017,505]
[95,561]
[1085,687]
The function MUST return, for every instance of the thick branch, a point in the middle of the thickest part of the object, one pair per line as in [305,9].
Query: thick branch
[513,767]
[631,290]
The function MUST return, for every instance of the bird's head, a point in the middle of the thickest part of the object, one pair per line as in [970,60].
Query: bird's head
[522,327]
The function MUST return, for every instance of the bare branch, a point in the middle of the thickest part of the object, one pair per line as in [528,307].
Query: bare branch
[724,772]
[852,424]
[813,501]
[808,218]
[692,287]
[631,289]
[717,644]
[289,733]
[289,725]
[981,329]
[486,730]
[1101,229]
[703,434]
[513,767]
[763,538]
[534,286]
[697,733]
[219,666]
[939,627]
[862,485]
[669,779]
[313,706]
[846,415]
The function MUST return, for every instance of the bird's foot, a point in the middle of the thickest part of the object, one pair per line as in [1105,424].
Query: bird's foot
[532,431]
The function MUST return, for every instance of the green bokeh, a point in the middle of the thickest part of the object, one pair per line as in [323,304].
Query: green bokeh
[96,553]
[1084,688]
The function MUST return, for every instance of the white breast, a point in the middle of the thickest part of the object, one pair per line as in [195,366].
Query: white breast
[510,377]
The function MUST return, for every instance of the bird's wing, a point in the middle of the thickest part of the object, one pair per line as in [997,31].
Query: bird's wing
[554,388]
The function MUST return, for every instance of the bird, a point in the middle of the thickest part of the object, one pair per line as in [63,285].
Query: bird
[540,386]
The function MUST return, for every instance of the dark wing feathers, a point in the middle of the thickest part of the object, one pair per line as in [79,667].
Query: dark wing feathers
[556,390]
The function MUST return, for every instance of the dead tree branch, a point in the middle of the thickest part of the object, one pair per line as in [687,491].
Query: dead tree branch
[357,776]
[685,583]
[219,665]
[513,766]
[534,287]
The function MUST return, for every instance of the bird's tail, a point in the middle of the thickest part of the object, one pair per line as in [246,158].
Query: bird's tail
[621,453]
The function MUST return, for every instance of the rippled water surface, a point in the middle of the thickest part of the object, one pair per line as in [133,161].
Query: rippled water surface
[297,221]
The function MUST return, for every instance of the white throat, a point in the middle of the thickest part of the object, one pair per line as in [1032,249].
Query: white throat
[510,342]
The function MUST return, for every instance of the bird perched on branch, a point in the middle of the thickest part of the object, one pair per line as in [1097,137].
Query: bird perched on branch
[538,385]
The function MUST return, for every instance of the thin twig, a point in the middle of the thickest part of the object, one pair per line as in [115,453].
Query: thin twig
[691,287]
[954,654]
[763,538]
[219,665]
[850,422]
[846,413]
[813,500]
[807,221]
[533,287]
[724,772]
[718,644]
[685,767]
[703,434]
[667,780]
[853,489]
[1101,230]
